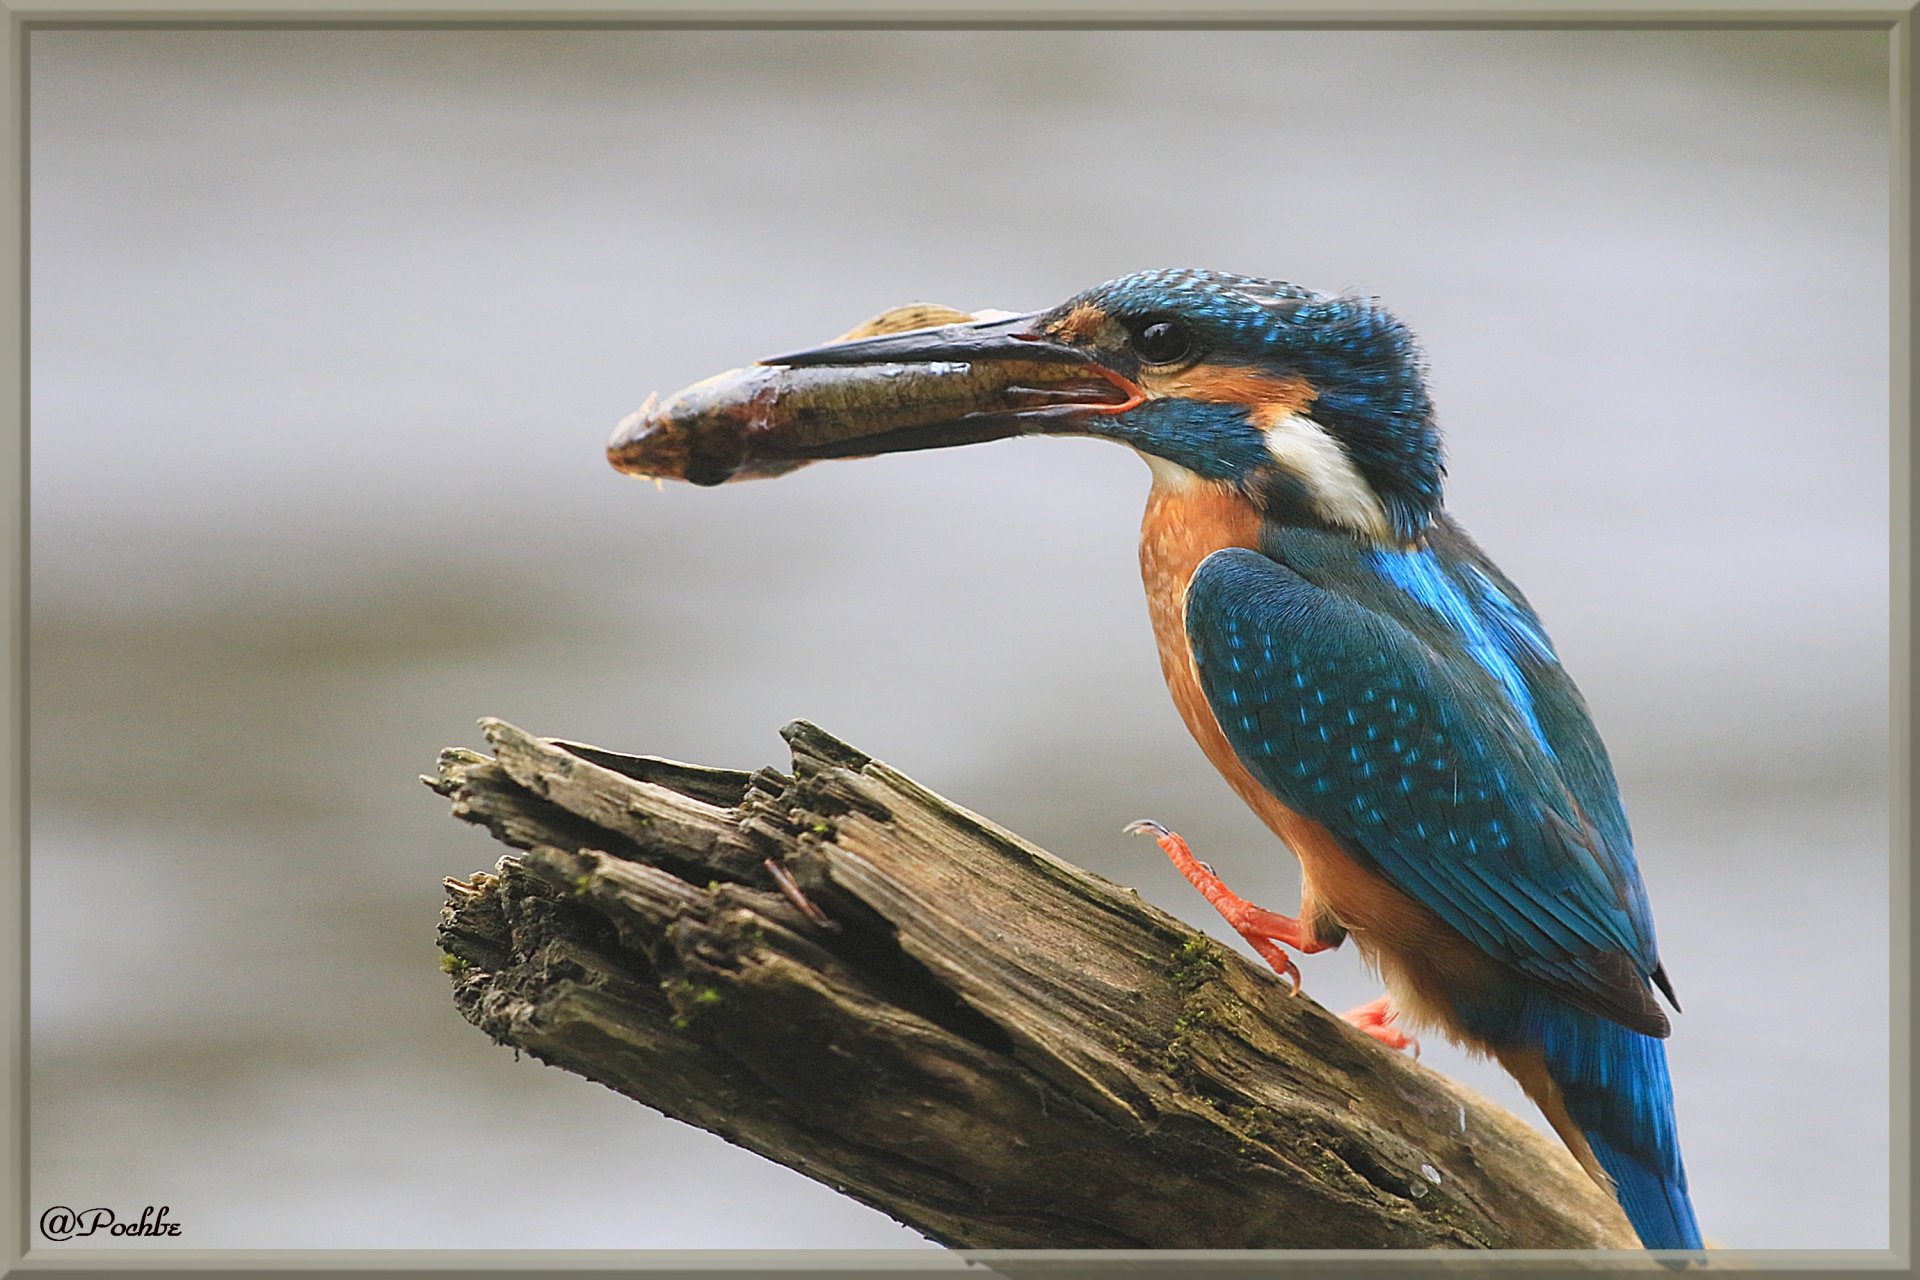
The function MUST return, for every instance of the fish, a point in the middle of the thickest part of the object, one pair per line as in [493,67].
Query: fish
[772,417]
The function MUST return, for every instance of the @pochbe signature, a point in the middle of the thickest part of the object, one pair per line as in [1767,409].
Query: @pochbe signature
[62,1223]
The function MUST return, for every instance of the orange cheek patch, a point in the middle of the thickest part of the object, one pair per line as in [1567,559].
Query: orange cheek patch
[1234,384]
[1083,324]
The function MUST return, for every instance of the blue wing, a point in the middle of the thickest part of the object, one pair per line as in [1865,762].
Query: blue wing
[1356,722]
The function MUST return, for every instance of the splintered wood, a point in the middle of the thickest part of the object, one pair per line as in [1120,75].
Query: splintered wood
[943,1021]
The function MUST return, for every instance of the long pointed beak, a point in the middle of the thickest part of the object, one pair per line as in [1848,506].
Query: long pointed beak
[1007,338]
[915,389]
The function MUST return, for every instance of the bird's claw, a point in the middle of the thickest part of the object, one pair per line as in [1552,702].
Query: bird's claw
[1263,930]
[1148,827]
[1279,961]
[1291,976]
[1375,1018]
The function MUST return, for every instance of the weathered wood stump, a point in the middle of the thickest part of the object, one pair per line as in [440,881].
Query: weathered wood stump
[935,1017]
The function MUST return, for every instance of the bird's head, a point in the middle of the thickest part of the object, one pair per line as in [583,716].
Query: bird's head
[1312,406]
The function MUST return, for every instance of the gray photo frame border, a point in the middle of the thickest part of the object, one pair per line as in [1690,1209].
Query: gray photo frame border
[22,18]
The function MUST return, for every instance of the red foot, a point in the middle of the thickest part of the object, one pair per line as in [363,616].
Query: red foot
[1261,928]
[1373,1018]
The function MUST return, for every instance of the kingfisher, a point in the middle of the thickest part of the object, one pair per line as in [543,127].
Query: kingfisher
[1367,680]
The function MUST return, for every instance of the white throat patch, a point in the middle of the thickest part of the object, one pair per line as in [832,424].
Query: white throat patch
[1168,475]
[1341,495]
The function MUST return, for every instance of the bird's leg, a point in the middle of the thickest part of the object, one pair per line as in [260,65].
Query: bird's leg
[1264,930]
[1375,1018]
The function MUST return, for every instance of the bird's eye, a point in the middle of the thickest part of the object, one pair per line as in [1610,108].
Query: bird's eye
[1162,341]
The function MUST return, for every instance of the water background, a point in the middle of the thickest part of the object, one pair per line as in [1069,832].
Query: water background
[329,329]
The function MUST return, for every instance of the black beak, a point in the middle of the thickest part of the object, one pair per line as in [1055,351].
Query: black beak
[1013,338]
[892,392]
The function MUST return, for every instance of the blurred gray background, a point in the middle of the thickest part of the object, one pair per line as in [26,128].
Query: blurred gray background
[329,329]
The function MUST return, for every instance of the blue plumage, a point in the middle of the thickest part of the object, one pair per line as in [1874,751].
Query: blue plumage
[1487,628]
[1434,786]
[1436,774]
[1369,680]
[1364,365]
[1616,1089]
[1214,441]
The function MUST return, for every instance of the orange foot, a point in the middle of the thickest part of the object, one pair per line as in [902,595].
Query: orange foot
[1264,930]
[1374,1017]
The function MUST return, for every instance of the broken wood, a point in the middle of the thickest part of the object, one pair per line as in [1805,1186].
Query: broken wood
[933,1016]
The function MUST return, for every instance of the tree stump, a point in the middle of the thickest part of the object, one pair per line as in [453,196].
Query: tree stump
[850,975]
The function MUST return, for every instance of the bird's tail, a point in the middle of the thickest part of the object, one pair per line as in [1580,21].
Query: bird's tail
[1605,1089]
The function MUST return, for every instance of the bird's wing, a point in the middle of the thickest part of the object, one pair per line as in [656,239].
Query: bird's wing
[1579,756]
[1353,721]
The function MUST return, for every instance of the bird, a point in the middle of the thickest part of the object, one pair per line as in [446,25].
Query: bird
[1363,675]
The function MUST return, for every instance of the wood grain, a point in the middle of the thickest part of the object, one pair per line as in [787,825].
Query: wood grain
[991,1045]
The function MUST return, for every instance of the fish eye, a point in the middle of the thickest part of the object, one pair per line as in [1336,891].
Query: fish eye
[1162,340]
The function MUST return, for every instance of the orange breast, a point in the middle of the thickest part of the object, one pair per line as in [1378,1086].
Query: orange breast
[1186,521]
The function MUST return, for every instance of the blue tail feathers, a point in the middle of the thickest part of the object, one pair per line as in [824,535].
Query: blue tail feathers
[1656,1201]
[1615,1086]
